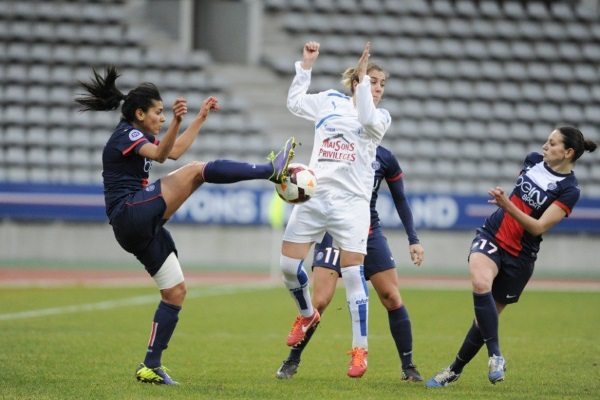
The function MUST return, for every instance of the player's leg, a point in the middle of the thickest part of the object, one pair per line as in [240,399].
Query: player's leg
[349,222]
[170,282]
[297,282]
[385,284]
[179,185]
[324,283]
[483,270]
[304,227]
[483,266]
[357,296]
[138,227]
[227,171]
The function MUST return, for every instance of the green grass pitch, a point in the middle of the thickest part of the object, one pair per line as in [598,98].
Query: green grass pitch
[85,343]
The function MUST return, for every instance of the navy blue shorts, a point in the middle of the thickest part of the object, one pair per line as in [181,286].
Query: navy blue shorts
[513,272]
[138,227]
[379,257]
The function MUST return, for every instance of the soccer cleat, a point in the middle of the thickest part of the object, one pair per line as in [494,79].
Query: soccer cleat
[444,378]
[358,363]
[411,374]
[287,369]
[156,375]
[496,367]
[301,326]
[281,160]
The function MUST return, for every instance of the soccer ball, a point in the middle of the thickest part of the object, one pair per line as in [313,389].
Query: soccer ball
[299,185]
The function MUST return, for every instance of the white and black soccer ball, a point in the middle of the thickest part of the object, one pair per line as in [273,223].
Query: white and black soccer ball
[299,185]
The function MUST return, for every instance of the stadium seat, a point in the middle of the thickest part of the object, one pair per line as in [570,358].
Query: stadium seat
[537,10]
[578,32]
[36,157]
[490,9]
[532,91]
[38,175]
[36,136]
[539,71]
[16,173]
[562,72]
[15,156]
[485,90]
[513,10]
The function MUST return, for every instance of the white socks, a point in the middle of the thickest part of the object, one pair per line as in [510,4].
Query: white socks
[357,295]
[296,280]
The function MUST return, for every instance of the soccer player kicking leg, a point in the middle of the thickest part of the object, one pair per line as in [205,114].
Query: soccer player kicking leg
[484,329]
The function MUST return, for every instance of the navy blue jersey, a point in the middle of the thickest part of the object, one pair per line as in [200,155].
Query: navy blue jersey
[537,188]
[387,168]
[124,170]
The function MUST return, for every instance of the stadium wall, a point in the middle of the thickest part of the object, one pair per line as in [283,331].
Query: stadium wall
[247,248]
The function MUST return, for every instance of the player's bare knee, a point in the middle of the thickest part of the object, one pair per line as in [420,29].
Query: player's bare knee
[390,300]
[480,284]
[198,167]
[320,303]
[174,295]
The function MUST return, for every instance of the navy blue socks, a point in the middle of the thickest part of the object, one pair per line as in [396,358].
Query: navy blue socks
[227,171]
[469,349]
[163,326]
[296,351]
[402,333]
[487,320]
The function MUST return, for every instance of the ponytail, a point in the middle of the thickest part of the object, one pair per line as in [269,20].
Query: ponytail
[103,93]
[573,139]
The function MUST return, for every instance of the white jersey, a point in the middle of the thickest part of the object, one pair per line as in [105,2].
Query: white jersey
[346,136]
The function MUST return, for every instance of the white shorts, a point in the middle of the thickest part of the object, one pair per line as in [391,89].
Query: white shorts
[346,217]
[169,274]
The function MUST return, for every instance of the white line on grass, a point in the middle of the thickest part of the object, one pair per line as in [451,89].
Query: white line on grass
[132,301]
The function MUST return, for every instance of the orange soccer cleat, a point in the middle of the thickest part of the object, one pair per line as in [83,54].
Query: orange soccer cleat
[358,364]
[301,326]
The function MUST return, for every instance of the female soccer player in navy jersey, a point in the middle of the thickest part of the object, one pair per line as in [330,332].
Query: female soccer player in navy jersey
[137,210]
[348,130]
[505,248]
[379,268]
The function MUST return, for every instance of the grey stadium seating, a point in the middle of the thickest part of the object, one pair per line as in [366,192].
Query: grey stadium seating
[469,80]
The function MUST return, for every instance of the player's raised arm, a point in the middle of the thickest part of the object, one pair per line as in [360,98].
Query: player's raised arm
[185,140]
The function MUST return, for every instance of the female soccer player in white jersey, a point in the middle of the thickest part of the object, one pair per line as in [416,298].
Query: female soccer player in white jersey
[505,248]
[347,133]
[380,269]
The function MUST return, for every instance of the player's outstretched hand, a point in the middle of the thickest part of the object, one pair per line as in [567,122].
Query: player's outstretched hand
[499,197]
[363,62]
[416,253]
[310,53]
[179,109]
[210,103]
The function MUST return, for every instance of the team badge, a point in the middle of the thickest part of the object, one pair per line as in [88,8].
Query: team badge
[319,256]
[150,188]
[552,186]
[135,135]
[375,165]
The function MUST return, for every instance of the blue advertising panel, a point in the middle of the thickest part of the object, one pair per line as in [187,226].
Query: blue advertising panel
[240,205]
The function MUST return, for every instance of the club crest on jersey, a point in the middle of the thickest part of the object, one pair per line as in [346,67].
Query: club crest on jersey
[552,186]
[319,256]
[375,165]
[135,135]
[150,188]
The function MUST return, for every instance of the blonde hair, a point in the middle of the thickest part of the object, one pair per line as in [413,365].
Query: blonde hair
[350,75]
